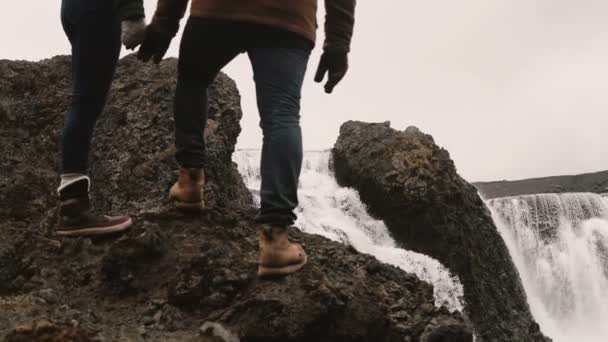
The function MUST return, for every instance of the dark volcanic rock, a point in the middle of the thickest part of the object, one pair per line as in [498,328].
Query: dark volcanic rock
[129,257]
[47,332]
[171,273]
[12,269]
[412,185]
[133,147]
[330,301]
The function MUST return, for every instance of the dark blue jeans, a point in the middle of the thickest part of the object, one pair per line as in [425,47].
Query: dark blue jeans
[279,60]
[93,30]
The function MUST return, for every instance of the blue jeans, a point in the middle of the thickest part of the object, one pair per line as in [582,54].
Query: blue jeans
[279,60]
[93,30]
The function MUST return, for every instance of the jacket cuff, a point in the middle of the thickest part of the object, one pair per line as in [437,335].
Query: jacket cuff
[165,26]
[333,46]
[131,11]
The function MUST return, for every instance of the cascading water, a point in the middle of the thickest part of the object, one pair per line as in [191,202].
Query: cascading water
[559,244]
[338,214]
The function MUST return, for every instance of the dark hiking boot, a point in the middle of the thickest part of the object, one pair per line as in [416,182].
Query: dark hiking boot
[76,218]
[187,192]
[278,256]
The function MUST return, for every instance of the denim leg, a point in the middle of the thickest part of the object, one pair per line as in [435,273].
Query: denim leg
[204,51]
[279,74]
[95,39]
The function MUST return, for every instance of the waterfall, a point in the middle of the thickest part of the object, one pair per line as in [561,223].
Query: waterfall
[559,244]
[338,214]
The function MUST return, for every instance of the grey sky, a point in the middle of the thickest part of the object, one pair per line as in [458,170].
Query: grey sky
[512,88]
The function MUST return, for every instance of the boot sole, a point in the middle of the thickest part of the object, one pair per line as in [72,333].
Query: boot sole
[96,230]
[264,271]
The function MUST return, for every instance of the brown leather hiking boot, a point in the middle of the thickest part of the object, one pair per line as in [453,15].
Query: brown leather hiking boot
[187,192]
[278,256]
[76,218]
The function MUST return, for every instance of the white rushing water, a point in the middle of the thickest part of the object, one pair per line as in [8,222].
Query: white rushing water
[338,214]
[559,244]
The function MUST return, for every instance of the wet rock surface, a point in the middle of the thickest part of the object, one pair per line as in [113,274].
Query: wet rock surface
[172,277]
[412,184]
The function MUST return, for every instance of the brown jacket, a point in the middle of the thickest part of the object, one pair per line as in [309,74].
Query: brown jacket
[299,16]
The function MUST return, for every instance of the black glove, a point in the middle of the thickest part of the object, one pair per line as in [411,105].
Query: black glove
[335,64]
[155,45]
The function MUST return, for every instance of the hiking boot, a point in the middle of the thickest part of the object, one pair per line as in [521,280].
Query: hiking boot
[187,192]
[76,218]
[278,256]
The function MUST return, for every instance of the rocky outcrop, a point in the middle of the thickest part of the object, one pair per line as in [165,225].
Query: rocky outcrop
[44,331]
[596,182]
[172,277]
[132,150]
[412,184]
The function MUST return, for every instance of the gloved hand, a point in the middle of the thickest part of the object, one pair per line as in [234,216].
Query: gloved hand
[335,64]
[133,32]
[155,45]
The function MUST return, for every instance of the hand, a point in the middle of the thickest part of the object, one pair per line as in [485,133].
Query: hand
[155,45]
[335,64]
[133,33]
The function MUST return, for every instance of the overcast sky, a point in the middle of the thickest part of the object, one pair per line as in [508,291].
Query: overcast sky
[512,88]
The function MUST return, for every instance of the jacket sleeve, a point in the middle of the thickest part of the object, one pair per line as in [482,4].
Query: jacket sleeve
[339,24]
[129,9]
[167,16]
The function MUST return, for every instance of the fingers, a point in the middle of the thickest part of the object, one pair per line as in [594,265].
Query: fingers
[334,78]
[133,41]
[161,51]
[335,65]
[133,33]
[154,47]
[148,46]
[131,45]
[146,50]
[321,70]
[144,54]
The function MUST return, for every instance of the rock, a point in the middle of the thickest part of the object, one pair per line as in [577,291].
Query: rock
[100,337]
[12,267]
[197,267]
[128,258]
[217,332]
[336,301]
[148,320]
[157,316]
[45,331]
[447,331]
[48,295]
[172,318]
[127,150]
[412,185]
[210,280]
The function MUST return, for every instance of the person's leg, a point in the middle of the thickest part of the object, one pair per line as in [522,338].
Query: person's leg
[94,33]
[95,39]
[279,74]
[206,47]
